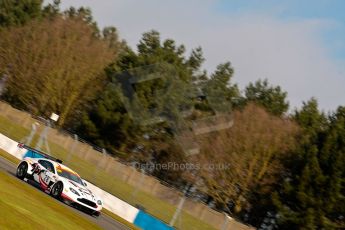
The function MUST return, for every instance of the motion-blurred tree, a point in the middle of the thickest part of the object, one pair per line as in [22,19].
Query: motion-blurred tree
[52,9]
[219,89]
[312,196]
[154,57]
[270,97]
[253,148]
[14,13]
[53,65]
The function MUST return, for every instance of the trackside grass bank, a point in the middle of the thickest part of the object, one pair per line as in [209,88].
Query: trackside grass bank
[24,207]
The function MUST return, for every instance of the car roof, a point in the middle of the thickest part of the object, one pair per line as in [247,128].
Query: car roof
[58,165]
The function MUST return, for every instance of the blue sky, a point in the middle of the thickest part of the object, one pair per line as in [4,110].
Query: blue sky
[331,10]
[299,45]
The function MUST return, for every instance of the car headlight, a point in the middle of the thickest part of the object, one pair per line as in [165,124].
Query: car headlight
[99,202]
[74,191]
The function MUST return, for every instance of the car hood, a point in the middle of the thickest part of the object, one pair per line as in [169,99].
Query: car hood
[82,190]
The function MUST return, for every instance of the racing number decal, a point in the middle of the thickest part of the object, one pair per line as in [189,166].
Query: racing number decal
[46,177]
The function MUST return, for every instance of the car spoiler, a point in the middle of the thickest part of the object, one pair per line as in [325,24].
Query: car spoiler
[41,153]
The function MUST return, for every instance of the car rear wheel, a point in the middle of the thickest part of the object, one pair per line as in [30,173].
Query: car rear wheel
[57,190]
[22,170]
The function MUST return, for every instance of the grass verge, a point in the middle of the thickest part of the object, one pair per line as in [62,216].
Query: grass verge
[9,157]
[24,207]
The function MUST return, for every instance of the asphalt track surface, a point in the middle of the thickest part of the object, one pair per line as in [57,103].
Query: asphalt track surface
[103,221]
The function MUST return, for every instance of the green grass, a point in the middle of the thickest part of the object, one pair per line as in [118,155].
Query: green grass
[109,183]
[12,130]
[24,207]
[9,157]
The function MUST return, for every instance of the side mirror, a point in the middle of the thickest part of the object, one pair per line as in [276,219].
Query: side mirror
[84,183]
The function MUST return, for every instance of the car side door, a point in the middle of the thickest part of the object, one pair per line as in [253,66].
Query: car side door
[47,173]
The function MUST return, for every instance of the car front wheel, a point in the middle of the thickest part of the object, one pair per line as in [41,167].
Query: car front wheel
[22,170]
[96,214]
[57,190]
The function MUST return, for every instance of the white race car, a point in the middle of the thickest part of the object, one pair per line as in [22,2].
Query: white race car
[60,182]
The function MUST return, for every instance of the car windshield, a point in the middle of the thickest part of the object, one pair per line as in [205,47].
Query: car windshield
[69,175]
